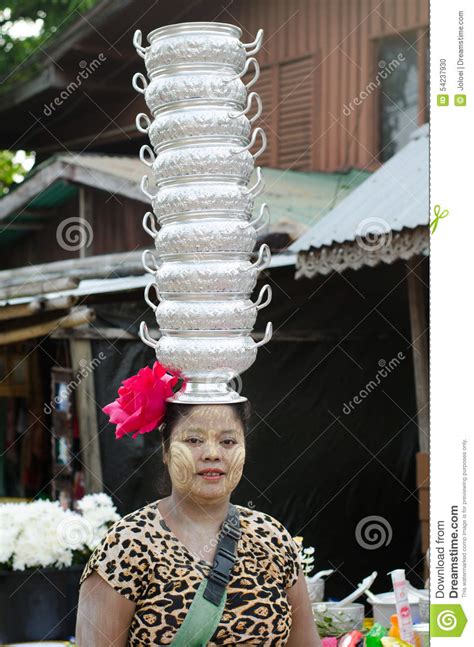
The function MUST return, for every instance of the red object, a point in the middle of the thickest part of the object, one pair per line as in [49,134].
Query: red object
[352,639]
[141,404]
[329,641]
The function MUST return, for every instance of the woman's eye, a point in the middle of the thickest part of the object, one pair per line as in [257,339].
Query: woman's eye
[229,441]
[193,441]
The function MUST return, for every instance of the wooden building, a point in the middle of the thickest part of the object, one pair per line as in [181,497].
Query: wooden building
[317,57]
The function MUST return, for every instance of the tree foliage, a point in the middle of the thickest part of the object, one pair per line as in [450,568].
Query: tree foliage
[19,55]
[10,171]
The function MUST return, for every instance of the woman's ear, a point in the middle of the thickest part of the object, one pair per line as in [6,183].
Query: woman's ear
[164,453]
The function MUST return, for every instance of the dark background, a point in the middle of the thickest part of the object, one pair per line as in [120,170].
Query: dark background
[316,469]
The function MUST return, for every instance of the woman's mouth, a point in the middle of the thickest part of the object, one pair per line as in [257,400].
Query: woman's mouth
[211,475]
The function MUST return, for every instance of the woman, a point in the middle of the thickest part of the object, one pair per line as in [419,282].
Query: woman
[140,581]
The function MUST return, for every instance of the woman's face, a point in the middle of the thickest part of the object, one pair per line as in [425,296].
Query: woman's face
[207,453]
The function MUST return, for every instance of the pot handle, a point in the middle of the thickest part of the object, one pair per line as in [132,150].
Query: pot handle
[138,122]
[141,88]
[267,337]
[256,44]
[145,255]
[145,336]
[258,131]
[259,303]
[149,228]
[259,106]
[146,155]
[137,43]
[146,294]
[257,188]
[144,187]
[264,258]
[254,79]
[250,98]
[256,76]
[263,209]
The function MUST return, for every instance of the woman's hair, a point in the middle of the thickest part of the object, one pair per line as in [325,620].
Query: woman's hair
[174,413]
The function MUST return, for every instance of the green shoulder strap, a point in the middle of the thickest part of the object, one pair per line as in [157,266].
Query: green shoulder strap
[208,604]
[201,621]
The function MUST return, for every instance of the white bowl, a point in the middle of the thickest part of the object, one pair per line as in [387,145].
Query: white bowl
[334,620]
[386,608]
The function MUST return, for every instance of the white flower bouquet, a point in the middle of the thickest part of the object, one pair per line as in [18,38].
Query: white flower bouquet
[306,556]
[42,534]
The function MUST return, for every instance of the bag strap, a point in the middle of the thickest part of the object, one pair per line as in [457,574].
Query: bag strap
[225,557]
[209,601]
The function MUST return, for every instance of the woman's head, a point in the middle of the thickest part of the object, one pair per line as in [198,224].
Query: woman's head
[204,448]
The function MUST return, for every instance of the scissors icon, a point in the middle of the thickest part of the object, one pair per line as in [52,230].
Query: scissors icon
[438,215]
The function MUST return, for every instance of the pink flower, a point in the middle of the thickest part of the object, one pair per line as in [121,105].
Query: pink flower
[141,404]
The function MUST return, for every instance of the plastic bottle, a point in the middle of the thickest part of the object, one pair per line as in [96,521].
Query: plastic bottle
[394,631]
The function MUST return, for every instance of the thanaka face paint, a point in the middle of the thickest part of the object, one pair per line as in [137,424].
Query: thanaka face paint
[207,453]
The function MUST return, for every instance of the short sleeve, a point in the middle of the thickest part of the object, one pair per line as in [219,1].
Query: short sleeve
[290,554]
[120,559]
[293,559]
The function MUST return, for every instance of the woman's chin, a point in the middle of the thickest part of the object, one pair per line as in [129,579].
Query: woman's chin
[210,490]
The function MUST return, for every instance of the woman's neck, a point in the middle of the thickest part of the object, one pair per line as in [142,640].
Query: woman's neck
[181,509]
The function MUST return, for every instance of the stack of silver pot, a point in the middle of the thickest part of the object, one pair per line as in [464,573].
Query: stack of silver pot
[202,225]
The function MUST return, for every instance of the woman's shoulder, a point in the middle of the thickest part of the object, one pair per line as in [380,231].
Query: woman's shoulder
[138,519]
[268,538]
[131,529]
[122,556]
[263,522]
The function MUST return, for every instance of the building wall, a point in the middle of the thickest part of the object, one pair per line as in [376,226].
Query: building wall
[116,224]
[317,56]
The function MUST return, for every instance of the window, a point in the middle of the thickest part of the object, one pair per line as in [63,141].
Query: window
[286,90]
[399,100]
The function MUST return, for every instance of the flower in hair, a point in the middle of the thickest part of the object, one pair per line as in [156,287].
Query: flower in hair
[141,404]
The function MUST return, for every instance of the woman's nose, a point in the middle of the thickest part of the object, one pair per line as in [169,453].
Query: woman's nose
[211,451]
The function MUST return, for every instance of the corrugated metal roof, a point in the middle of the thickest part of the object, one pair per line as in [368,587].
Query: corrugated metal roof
[89,287]
[54,196]
[296,199]
[305,197]
[394,197]
[127,168]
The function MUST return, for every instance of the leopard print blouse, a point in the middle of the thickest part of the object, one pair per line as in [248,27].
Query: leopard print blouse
[142,559]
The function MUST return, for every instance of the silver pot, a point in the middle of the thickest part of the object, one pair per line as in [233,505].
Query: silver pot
[192,83]
[199,119]
[197,42]
[182,159]
[206,197]
[202,272]
[211,312]
[197,235]
[206,355]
